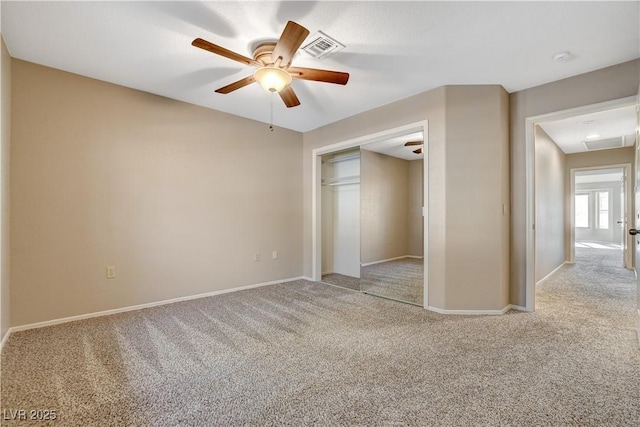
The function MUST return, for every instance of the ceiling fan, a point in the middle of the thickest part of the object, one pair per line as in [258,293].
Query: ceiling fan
[415,143]
[273,62]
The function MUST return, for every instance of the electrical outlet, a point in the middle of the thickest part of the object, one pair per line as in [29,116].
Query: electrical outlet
[256,256]
[111,272]
[274,254]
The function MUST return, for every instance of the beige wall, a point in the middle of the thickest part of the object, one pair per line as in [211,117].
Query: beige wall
[468,185]
[590,159]
[5,136]
[550,205]
[610,83]
[477,187]
[384,206]
[177,197]
[103,175]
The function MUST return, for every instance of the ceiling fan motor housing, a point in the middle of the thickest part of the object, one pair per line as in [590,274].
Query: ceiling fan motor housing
[263,52]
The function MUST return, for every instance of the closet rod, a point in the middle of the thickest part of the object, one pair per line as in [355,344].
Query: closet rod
[333,184]
[343,158]
[341,179]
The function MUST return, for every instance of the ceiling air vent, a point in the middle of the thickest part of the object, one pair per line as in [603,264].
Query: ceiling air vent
[322,45]
[603,144]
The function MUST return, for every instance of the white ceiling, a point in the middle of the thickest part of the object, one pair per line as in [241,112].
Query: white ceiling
[393,49]
[571,133]
[394,147]
[598,175]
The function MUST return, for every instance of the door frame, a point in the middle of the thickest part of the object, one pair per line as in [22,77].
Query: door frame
[530,123]
[626,167]
[316,192]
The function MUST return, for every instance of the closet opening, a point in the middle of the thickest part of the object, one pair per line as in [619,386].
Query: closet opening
[370,216]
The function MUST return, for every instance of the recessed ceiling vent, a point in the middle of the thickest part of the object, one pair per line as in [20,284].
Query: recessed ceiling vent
[322,46]
[603,144]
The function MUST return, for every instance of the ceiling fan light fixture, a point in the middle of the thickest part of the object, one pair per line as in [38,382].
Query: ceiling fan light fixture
[272,79]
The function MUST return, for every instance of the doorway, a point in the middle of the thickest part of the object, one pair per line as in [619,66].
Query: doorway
[601,209]
[600,136]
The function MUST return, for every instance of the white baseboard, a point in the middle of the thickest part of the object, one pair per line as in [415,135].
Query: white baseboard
[551,274]
[140,306]
[366,264]
[518,307]
[470,312]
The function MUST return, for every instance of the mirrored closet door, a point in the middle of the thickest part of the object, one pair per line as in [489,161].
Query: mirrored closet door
[372,218]
[391,219]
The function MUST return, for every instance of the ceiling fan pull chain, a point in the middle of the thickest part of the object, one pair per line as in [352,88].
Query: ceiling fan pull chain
[271,121]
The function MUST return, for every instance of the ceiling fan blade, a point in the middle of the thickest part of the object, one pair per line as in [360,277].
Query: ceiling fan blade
[327,76]
[290,40]
[236,85]
[411,143]
[418,151]
[219,50]
[289,97]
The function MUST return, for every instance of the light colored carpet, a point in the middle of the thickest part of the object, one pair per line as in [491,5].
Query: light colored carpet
[600,245]
[400,279]
[305,353]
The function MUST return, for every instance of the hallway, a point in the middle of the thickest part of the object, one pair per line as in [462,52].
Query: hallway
[593,305]
[595,291]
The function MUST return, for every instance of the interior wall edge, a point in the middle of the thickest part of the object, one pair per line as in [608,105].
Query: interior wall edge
[5,190]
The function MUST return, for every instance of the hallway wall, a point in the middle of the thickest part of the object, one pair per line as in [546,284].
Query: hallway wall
[550,204]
